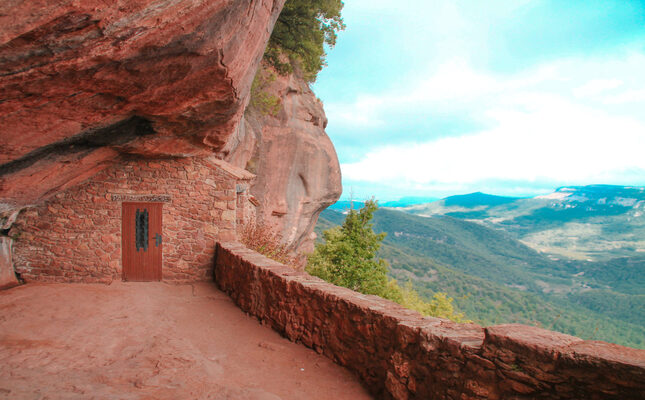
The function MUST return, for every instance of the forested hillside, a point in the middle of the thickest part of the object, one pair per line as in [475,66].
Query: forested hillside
[496,279]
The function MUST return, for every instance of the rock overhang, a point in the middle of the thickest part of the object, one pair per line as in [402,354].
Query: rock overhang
[82,84]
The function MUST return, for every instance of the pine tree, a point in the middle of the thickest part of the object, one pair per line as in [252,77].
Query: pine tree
[349,258]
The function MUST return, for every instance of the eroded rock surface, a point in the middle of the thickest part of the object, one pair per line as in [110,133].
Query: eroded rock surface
[298,174]
[82,83]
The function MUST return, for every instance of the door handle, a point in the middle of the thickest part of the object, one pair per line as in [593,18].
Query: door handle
[157,239]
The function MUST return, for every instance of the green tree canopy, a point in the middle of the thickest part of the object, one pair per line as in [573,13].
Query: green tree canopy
[301,32]
[348,258]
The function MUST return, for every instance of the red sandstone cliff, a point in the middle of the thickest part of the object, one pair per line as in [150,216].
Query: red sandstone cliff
[82,83]
[285,144]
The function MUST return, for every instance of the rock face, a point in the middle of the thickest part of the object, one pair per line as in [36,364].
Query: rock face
[84,87]
[82,83]
[297,169]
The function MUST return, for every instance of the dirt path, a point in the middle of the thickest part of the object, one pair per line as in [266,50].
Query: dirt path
[151,341]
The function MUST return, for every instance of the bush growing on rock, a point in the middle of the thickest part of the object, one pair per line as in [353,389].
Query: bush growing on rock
[261,99]
[263,240]
[348,258]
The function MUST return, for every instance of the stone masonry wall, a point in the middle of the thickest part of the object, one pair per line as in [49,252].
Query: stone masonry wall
[400,355]
[76,235]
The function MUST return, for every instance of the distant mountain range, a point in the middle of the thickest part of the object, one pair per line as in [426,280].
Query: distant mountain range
[343,205]
[597,222]
[570,261]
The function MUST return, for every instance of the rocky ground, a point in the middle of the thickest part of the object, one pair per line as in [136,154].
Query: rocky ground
[151,341]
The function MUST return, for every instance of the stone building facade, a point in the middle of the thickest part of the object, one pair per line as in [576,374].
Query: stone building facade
[78,235]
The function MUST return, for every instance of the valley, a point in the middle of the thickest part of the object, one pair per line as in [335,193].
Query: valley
[482,251]
[596,222]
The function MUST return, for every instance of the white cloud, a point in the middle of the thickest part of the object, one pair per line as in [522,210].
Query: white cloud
[358,114]
[549,124]
[596,86]
[455,85]
[452,84]
[628,96]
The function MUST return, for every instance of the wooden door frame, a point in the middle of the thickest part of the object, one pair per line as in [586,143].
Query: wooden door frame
[142,266]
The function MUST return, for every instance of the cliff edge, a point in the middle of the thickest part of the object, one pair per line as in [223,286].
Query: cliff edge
[282,139]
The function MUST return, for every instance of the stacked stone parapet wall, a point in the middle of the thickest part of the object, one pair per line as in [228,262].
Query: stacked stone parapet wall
[75,236]
[401,355]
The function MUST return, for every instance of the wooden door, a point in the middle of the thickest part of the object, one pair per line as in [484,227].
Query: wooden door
[142,241]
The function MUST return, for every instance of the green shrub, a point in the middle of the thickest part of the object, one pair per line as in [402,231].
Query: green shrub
[261,99]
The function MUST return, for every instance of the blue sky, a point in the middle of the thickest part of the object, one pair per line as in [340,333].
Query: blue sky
[516,97]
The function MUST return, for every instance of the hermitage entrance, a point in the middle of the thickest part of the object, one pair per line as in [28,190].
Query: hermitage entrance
[142,241]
